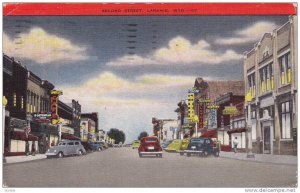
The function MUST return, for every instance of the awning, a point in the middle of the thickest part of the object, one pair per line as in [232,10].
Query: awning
[21,135]
[210,134]
[239,130]
[69,136]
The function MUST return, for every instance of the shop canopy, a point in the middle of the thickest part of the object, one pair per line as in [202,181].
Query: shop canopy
[239,130]
[210,134]
[21,135]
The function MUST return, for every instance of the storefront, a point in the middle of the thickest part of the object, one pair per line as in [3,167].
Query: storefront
[240,135]
[46,133]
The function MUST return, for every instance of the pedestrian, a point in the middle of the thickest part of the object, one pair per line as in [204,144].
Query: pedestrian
[235,144]
[33,149]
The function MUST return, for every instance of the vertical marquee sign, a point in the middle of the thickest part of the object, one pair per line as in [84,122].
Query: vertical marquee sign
[201,115]
[54,106]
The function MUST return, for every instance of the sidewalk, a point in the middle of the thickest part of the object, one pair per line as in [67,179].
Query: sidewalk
[265,158]
[23,158]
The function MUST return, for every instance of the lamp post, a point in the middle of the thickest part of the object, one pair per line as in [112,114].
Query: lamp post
[4,103]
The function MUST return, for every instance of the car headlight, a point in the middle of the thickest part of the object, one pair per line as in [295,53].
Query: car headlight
[55,151]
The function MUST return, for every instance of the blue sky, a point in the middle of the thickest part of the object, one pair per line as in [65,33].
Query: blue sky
[130,69]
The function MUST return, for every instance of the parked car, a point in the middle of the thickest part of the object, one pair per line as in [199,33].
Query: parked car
[202,147]
[178,146]
[165,144]
[174,146]
[96,146]
[135,144]
[66,148]
[104,145]
[150,146]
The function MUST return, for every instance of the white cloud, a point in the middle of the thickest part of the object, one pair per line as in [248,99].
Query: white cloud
[134,60]
[104,88]
[179,51]
[43,48]
[249,34]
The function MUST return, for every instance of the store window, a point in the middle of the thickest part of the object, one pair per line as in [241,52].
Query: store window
[285,69]
[286,120]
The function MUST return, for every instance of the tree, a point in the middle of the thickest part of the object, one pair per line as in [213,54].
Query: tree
[117,135]
[143,134]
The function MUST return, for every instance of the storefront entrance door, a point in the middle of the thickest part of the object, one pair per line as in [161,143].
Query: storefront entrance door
[267,140]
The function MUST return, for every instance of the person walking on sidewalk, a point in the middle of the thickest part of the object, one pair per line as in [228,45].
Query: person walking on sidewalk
[235,144]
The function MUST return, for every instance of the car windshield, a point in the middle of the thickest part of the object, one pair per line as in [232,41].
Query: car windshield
[150,140]
[61,144]
[197,141]
[176,141]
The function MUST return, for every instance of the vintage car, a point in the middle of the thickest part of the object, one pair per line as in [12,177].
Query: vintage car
[150,146]
[178,146]
[165,144]
[202,147]
[66,148]
[135,144]
[96,146]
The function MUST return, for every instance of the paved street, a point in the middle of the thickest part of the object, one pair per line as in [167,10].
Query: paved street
[121,167]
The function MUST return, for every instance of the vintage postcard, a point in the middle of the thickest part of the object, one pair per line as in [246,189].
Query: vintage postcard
[150,95]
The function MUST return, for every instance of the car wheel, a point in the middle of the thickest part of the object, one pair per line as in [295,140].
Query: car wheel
[140,155]
[49,157]
[79,152]
[160,155]
[60,154]
[188,154]
[181,153]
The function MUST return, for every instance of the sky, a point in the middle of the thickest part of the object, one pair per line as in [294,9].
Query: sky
[132,68]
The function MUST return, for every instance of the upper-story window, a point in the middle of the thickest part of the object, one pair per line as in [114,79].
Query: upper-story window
[266,78]
[285,69]
[15,99]
[251,85]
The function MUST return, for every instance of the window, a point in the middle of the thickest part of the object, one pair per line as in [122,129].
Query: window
[285,120]
[76,143]
[251,85]
[266,78]
[22,102]
[285,69]
[71,143]
[15,99]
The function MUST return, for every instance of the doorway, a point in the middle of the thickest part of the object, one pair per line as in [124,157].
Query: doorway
[267,140]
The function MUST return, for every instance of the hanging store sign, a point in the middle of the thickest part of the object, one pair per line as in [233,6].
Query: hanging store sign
[230,110]
[213,106]
[212,121]
[201,108]
[41,117]
[205,101]
[54,106]
[191,105]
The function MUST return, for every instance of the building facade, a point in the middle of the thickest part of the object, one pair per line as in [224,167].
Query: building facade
[270,74]
[205,103]
[231,121]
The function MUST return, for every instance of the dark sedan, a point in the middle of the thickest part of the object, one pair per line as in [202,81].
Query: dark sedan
[202,147]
